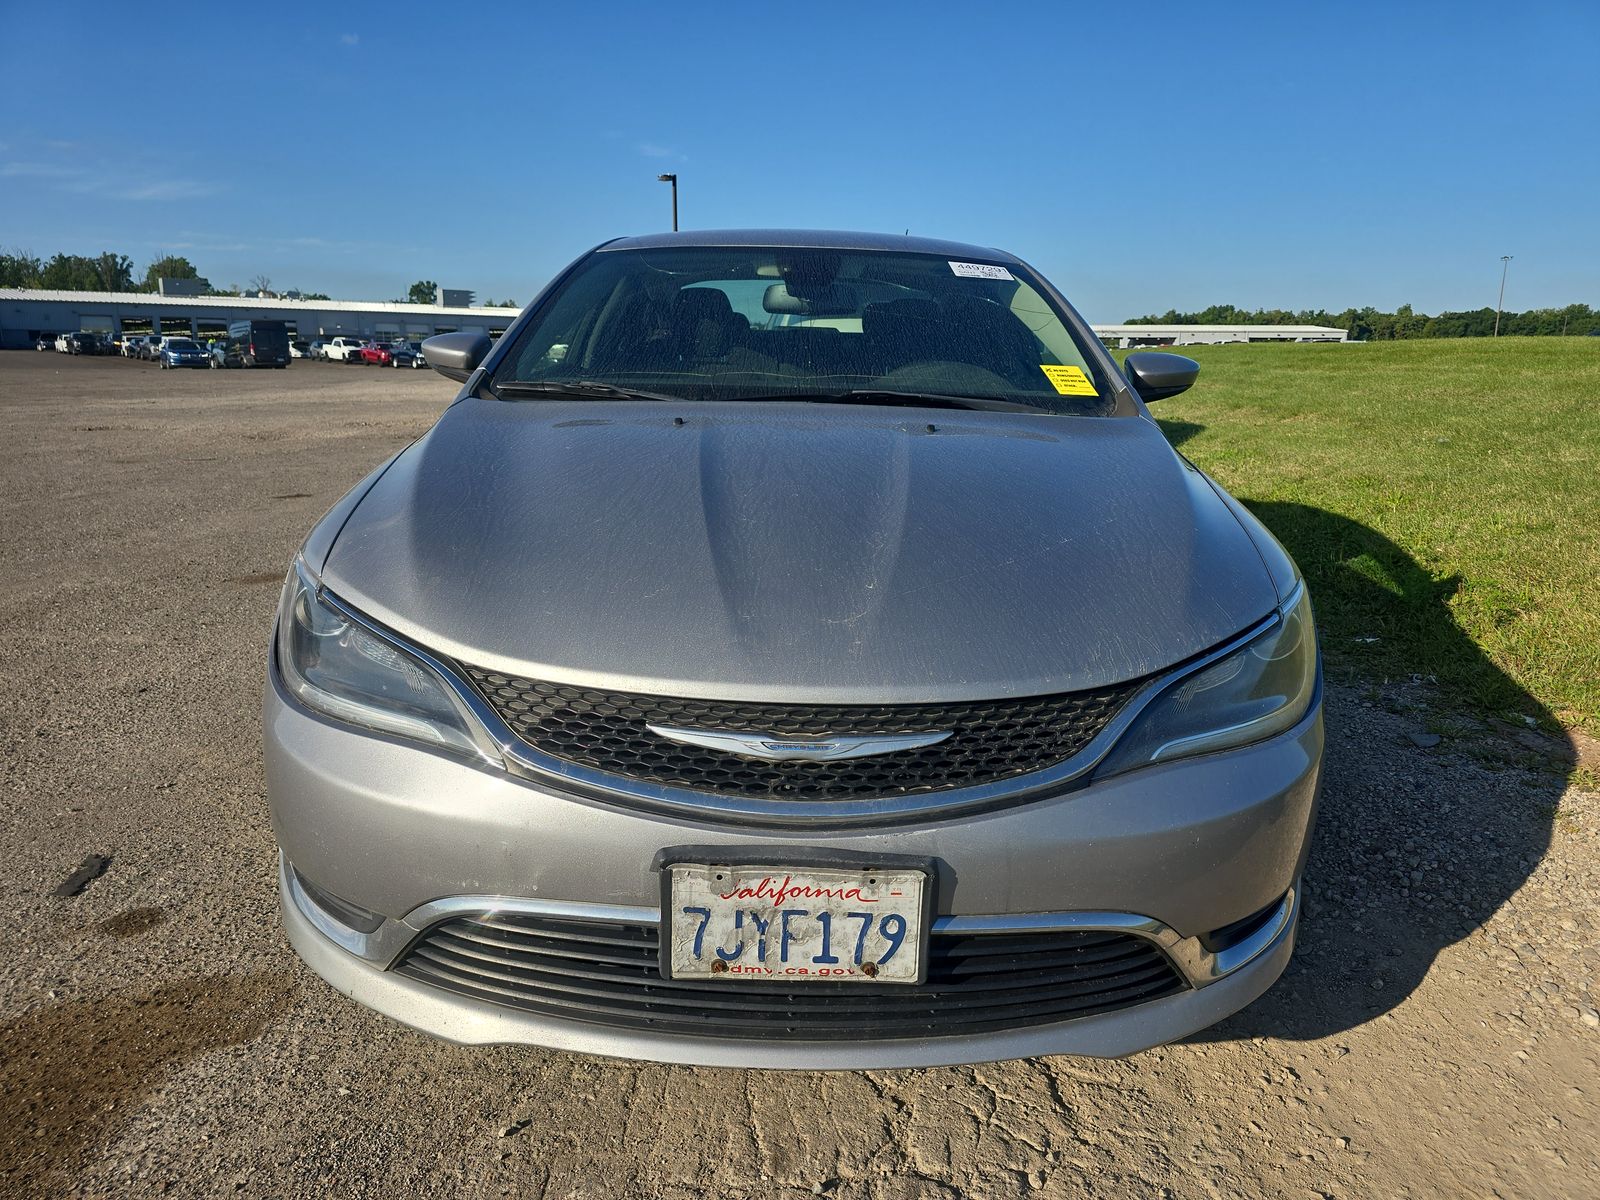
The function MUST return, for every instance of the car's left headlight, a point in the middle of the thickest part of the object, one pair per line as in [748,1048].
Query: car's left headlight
[336,666]
[1260,690]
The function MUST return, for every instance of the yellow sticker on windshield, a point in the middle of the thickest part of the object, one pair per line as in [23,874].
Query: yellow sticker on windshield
[1069,381]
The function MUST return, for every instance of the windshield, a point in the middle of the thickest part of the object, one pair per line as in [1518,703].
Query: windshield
[723,323]
[181,344]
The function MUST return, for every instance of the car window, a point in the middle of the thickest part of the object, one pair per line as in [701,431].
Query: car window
[754,322]
[182,344]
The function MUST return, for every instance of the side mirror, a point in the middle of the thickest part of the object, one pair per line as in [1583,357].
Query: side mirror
[457,355]
[1155,376]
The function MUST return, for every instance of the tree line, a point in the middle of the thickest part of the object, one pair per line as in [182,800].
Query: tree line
[426,291]
[109,272]
[1373,325]
[104,272]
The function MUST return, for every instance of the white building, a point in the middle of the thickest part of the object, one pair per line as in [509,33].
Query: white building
[1125,336]
[26,313]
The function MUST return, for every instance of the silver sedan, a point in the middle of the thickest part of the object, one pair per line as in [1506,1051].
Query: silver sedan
[795,650]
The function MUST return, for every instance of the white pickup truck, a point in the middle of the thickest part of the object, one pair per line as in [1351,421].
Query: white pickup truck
[343,349]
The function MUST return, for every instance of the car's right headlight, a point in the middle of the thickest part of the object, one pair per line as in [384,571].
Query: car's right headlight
[1260,690]
[334,665]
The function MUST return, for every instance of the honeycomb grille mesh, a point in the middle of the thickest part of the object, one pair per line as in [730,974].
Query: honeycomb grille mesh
[989,740]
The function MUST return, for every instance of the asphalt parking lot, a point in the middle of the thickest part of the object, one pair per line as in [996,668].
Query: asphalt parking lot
[1436,1035]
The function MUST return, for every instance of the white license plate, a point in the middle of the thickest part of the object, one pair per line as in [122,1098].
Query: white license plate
[795,924]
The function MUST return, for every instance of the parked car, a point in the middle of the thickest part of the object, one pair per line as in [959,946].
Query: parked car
[406,354]
[378,353]
[299,348]
[257,344]
[343,349]
[183,352]
[83,342]
[867,685]
[44,341]
[148,347]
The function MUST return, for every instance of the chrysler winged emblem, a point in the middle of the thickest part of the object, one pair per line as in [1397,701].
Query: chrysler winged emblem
[825,748]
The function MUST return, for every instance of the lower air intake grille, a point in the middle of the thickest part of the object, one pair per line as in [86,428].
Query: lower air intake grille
[989,740]
[604,973]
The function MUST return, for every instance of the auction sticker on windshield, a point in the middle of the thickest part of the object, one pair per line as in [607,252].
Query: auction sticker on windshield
[1068,381]
[980,271]
[795,924]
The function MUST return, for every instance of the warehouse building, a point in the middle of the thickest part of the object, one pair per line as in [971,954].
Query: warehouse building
[25,314]
[1127,336]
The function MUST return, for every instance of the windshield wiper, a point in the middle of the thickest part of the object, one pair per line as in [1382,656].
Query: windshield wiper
[585,389]
[903,400]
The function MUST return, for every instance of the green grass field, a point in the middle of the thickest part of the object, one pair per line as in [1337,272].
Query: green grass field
[1442,497]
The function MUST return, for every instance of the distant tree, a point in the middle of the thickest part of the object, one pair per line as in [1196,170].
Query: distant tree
[19,269]
[172,266]
[499,304]
[423,291]
[260,284]
[71,273]
[315,296]
[116,272]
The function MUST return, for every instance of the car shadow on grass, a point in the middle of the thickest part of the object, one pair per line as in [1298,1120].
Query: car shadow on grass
[1417,844]
[1178,432]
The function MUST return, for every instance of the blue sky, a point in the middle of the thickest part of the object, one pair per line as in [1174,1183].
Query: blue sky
[1172,156]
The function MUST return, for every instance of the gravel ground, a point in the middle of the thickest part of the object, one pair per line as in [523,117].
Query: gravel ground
[1436,1034]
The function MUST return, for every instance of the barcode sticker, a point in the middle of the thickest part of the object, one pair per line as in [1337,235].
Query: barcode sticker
[980,271]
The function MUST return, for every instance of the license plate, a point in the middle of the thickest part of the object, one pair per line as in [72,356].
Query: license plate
[795,924]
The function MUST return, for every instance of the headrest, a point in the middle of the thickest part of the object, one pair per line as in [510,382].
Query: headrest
[702,304]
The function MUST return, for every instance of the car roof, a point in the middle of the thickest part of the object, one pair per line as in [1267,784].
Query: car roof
[812,239]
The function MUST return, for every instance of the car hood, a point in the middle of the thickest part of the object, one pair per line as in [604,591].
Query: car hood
[800,553]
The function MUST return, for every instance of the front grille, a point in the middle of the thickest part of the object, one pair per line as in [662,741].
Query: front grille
[605,973]
[990,739]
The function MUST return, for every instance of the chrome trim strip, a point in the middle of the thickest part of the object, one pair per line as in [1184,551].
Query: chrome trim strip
[353,940]
[435,911]
[524,760]
[823,748]
[1198,965]
[1227,961]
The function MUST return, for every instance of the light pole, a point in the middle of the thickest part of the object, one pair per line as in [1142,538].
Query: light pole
[673,180]
[1505,264]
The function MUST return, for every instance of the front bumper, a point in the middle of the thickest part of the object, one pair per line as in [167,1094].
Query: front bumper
[1190,847]
[459,1019]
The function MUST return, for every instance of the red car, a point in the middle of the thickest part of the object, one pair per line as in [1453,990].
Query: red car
[381,353]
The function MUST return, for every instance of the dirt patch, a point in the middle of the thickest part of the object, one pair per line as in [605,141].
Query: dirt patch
[71,1071]
[132,923]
